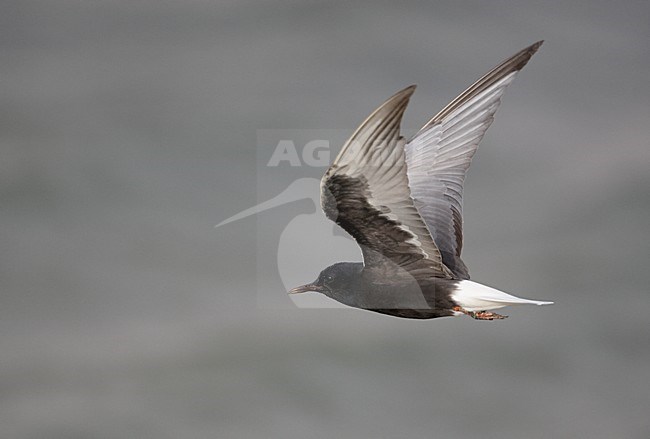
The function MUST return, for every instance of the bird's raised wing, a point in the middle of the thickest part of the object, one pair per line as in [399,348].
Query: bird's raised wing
[366,192]
[439,155]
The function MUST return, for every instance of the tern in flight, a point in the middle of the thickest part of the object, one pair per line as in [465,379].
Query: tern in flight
[402,203]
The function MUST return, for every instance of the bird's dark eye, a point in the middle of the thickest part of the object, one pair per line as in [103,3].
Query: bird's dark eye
[328,278]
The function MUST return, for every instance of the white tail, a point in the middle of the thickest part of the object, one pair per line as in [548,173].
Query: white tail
[472,296]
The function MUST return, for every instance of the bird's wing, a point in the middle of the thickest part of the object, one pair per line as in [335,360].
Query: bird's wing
[366,192]
[439,155]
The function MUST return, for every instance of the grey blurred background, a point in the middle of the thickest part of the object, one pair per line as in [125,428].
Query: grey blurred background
[128,129]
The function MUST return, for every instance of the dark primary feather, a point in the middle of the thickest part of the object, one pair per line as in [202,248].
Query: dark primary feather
[513,64]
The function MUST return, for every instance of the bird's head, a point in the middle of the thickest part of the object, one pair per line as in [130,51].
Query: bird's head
[334,281]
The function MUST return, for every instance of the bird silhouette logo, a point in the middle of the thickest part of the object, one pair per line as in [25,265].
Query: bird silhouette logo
[306,230]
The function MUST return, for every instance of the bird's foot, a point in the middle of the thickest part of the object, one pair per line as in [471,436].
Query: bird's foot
[480,315]
[486,315]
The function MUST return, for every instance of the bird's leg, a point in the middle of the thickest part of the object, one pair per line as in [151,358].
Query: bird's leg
[480,315]
[486,315]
